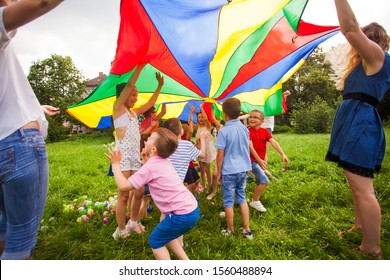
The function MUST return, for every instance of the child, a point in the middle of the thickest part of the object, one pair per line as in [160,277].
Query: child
[150,121]
[126,126]
[192,179]
[233,163]
[186,151]
[217,127]
[204,127]
[169,194]
[259,138]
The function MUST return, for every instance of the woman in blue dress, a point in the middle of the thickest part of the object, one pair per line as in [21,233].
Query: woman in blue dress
[357,141]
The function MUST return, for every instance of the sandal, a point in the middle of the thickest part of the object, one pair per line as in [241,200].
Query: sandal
[350,230]
[369,256]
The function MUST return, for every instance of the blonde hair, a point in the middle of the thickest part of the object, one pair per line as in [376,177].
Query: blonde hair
[376,33]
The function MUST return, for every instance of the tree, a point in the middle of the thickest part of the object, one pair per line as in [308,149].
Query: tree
[312,80]
[56,81]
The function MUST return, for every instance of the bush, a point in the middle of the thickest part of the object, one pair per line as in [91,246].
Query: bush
[316,117]
[282,129]
[56,132]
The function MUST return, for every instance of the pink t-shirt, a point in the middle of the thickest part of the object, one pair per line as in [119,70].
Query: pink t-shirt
[167,190]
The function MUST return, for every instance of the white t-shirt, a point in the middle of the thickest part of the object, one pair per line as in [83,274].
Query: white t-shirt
[18,103]
[269,122]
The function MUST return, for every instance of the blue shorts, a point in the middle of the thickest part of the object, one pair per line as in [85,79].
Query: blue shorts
[261,178]
[172,227]
[24,181]
[233,185]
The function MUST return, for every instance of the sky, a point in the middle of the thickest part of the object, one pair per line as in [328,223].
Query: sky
[87,30]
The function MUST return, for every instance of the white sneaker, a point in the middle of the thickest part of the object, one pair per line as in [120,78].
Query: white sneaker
[248,234]
[257,205]
[120,234]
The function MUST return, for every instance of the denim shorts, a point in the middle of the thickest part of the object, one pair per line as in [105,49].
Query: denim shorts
[233,185]
[24,183]
[261,178]
[171,227]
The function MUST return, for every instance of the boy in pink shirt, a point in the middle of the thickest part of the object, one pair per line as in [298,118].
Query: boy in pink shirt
[167,190]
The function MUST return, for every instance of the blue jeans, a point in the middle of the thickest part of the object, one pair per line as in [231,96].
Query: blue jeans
[261,178]
[24,182]
[233,185]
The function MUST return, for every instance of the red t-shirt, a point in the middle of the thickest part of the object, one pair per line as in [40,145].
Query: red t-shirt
[259,138]
[146,123]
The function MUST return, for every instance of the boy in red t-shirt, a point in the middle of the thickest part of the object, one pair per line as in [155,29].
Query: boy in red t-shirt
[259,137]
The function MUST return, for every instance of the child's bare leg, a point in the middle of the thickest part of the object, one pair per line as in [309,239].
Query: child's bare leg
[229,214]
[259,190]
[214,184]
[176,247]
[203,173]
[161,253]
[143,209]
[135,209]
[192,187]
[208,173]
[120,211]
[245,215]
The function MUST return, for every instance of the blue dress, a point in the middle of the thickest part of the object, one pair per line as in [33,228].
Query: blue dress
[357,140]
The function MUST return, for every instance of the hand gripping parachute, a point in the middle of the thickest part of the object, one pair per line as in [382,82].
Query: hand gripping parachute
[207,51]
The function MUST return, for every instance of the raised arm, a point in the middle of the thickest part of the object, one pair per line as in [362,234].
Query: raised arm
[119,104]
[143,108]
[22,12]
[216,122]
[371,53]
[162,113]
[190,130]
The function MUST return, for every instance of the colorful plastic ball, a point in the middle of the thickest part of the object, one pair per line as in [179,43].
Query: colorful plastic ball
[202,216]
[222,214]
[85,218]
[90,212]
[106,213]
[150,208]
[106,219]
[79,220]
[197,198]
[283,170]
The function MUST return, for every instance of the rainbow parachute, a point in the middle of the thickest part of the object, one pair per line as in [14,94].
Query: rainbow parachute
[207,51]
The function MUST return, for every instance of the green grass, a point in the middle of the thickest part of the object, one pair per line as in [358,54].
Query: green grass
[308,205]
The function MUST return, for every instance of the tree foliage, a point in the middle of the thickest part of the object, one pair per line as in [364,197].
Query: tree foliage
[308,84]
[316,117]
[57,82]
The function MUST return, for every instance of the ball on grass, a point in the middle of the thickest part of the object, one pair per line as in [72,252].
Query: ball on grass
[222,214]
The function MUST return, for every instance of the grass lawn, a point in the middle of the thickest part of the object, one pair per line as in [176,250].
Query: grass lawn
[307,206]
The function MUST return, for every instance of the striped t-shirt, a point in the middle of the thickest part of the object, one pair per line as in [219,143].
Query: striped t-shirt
[184,154]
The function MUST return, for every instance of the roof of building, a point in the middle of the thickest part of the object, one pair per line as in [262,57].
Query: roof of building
[96,81]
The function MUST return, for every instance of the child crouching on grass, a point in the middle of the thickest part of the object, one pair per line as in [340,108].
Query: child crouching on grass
[167,190]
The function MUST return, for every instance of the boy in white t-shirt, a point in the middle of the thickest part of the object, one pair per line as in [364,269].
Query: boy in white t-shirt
[169,194]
